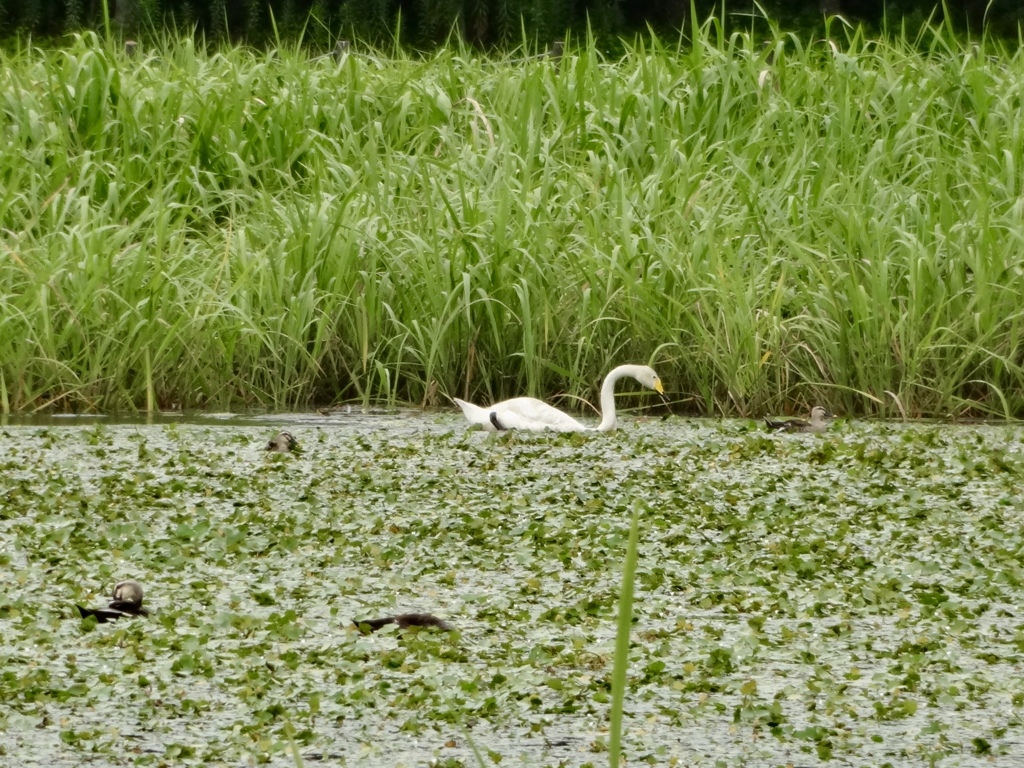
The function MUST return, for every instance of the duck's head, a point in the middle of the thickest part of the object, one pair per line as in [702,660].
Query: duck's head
[128,591]
[820,414]
[282,442]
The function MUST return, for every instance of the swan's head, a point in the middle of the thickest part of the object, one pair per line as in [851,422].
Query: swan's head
[646,376]
[129,591]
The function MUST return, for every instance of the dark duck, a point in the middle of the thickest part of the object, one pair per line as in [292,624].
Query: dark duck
[127,601]
[282,442]
[405,621]
[817,423]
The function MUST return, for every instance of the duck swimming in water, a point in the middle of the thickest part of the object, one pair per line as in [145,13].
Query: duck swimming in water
[405,621]
[817,423]
[282,442]
[127,601]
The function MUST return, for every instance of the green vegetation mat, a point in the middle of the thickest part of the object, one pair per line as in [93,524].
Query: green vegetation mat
[852,598]
[767,224]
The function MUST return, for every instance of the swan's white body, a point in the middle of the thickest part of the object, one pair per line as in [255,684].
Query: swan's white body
[535,415]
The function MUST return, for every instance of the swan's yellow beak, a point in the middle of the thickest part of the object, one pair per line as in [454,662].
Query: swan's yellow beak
[658,388]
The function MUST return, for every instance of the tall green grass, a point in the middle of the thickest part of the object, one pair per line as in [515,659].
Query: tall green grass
[769,225]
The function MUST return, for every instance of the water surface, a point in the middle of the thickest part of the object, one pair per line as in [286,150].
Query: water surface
[844,599]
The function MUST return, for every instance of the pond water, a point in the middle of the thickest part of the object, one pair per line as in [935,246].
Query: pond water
[841,599]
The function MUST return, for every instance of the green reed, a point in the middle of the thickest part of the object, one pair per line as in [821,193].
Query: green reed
[769,224]
[624,626]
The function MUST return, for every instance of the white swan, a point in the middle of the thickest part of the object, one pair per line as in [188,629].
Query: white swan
[536,415]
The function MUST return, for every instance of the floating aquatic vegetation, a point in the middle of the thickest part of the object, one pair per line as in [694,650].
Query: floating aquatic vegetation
[852,596]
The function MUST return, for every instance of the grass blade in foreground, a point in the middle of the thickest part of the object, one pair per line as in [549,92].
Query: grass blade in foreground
[622,642]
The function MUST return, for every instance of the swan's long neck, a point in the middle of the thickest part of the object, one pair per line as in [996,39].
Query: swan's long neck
[608,395]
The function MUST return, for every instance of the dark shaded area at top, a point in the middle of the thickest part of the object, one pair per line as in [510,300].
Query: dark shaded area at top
[426,23]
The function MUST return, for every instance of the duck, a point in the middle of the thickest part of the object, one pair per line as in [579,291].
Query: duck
[405,621]
[817,423]
[535,415]
[127,601]
[282,442]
